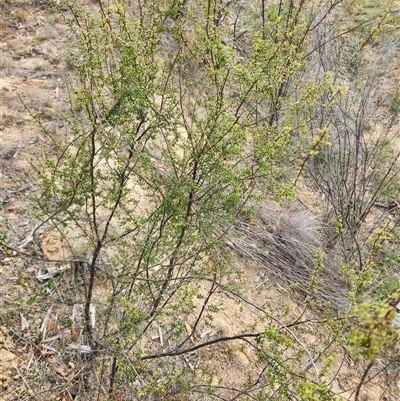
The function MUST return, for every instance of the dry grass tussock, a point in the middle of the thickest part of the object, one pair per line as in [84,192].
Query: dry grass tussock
[287,244]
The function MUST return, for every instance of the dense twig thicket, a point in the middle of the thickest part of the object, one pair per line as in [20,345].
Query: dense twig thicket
[187,118]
